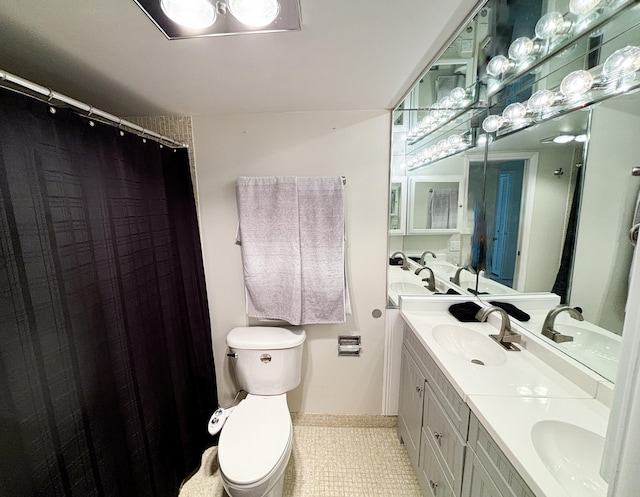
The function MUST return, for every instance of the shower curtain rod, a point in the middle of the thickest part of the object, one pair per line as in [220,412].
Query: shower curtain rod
[45,94]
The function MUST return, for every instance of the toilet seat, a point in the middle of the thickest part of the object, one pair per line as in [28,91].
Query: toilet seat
[255,442]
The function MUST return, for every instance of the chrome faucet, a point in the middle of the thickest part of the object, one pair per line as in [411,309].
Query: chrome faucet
[456,278]
[424,254]
[431,280]
[506,337]
[405,263]
[547,326]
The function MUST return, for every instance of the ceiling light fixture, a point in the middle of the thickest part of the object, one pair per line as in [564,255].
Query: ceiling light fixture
[192,14]
[256,13]
[197,18]
[564,138]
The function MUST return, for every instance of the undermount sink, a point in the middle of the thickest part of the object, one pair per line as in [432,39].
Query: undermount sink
[445,268]
[469,345]
[485,286]
[572,455]
[597,350]
[405,288]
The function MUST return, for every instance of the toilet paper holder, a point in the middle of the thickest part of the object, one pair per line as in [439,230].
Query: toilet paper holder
[349,345]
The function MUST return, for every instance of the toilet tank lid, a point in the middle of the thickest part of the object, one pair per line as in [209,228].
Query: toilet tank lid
[265,337]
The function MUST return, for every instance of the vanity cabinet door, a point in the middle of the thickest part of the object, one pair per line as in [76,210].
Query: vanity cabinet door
[477,482]
[494,462]
[412,385]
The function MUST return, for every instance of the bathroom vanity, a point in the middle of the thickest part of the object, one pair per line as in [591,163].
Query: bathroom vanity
[480,421]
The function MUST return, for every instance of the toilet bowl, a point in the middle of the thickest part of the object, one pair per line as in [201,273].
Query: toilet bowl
[255,445]
[257,436]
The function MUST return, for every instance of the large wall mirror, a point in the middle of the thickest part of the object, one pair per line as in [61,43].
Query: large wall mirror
[514,162]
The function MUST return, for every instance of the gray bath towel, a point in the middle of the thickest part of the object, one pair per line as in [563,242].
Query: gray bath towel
[444,206]
[292,236]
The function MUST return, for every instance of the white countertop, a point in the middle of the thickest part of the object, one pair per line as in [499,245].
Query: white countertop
[511,398]
[522,375]
[509,420]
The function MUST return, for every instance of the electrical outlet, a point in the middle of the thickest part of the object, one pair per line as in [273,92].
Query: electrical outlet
[454,246]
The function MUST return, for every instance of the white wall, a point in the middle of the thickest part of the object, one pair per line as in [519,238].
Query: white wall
[354,144]
[603,253]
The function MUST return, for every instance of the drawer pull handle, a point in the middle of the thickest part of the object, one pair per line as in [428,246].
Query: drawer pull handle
[433,484]
[438,437]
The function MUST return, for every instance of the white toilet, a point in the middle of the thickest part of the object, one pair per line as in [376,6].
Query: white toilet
[255,441]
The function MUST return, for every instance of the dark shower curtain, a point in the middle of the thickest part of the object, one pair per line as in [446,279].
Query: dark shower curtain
[563,277]
[106,367]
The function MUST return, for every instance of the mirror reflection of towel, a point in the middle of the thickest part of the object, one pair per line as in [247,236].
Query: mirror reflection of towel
[444,208]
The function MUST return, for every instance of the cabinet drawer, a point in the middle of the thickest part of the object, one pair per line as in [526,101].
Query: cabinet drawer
[444,438]
[501,471]
[433,476]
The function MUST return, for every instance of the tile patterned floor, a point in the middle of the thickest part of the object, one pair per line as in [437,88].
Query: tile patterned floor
[332,456]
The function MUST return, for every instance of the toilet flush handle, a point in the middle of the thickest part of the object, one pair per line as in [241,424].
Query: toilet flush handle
[233,355]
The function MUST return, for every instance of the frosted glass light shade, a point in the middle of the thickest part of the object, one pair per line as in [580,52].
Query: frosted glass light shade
[483,139]
[582,7]
[193,14]
[492,123]
[498,65]
[456,141]
[521,48]
[576,83]
[457,95]
[541,100]
[550,25]
[514,112]
[621,63]
[255,13]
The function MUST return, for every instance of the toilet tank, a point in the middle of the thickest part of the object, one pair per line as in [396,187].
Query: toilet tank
[267,360]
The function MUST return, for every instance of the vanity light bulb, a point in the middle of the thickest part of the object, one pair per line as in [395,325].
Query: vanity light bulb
[254,13]
[455,141]
[622,63]
[521,48]
[458,94]
[576,83]
[550,25]
[498,65]
[483,139]
[492,123]
[541,101]
[514,112]
[581,7]
[193,14]
[444,105]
